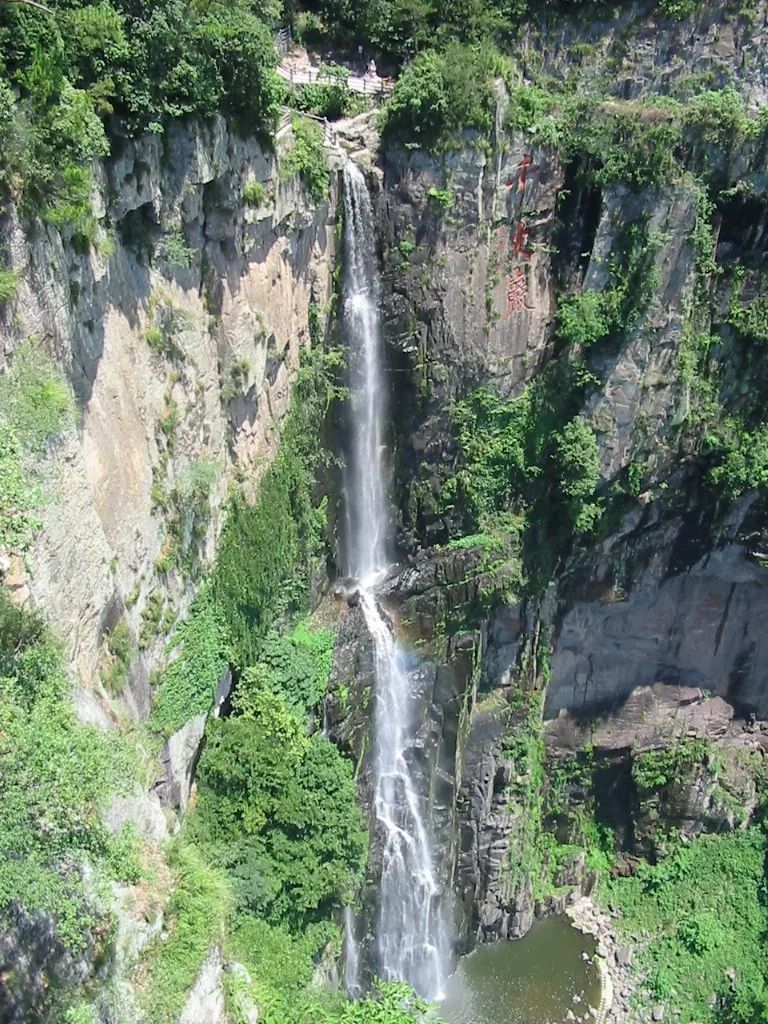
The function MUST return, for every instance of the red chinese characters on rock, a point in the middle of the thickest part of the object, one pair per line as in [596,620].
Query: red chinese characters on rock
[517,292]
[517,285]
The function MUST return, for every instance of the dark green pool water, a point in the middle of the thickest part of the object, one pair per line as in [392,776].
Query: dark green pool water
[530,981]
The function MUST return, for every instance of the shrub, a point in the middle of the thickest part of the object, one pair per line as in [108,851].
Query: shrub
[9,284]
[307,158]
[20,495]
[751,318]
[654,769]
[268,550]
[441,197]
[253,193]
[678,9]
[35,399]
[593,316]
[614,143]
[35,407]
[296,666]
[577,458]
[578,472]
[188,510]
[718,116]
[493,438]
[175,251]
[701,916]
[167,321]
[440,95]
[587,318]
[193,922]
[56,776]
[264,812]
[331,99]
[114,675]
[151,617]
[200,653]
[743,462]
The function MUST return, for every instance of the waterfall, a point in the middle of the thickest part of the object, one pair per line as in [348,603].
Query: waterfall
[410,932]
[351,955]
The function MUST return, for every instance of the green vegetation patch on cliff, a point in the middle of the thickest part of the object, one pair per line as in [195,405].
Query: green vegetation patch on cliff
[277,808]
[702,917]
[193,924]
[200,657]
[307,157]
[270,549]
[56,777]
[533,456]
[267,554]
[442,94]
[63,72]
[721,366]
[36,405]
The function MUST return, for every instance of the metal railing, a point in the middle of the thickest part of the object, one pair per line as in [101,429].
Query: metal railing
[284,41]
[330,134]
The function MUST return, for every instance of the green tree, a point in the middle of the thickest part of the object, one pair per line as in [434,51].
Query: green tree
[277,808]
[442,94]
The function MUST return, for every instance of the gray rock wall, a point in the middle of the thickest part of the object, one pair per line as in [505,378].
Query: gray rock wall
[240,310]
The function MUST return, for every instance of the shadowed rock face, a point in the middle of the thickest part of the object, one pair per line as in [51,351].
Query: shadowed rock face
[32,956]
[630,620]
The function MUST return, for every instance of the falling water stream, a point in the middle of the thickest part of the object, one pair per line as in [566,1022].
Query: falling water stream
[411,934]
[536,980]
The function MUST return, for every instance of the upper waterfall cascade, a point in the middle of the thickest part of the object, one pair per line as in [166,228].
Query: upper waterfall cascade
[411,932]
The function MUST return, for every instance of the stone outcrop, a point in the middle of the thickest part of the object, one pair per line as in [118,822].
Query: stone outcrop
[637,50]
[657,604]
[205,1004]
[467,293]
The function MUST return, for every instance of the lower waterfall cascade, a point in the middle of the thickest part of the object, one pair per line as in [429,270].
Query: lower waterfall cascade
[411,938]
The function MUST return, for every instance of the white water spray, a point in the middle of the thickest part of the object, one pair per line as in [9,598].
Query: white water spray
[410,932]
[351,955]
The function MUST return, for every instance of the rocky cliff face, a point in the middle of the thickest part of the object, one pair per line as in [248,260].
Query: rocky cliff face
[180,331]
[647,638]
[630,684]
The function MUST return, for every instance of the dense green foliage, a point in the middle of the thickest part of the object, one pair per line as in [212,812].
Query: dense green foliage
[725,419]
[329,97]
[295,665]
[653,769]
[270,549]
[307,157]
[61,73]
[530,455]
[55,778]
[704,913]
[278,810]
[276,821]
[35,406]
[646,143]
[200,657]
[402,28]
[9,284]
[593,316]
[442,94]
